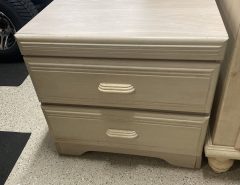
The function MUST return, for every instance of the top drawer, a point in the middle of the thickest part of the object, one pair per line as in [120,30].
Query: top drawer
[148,84]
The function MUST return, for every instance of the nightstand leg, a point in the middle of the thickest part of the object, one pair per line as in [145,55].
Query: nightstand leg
[220,165]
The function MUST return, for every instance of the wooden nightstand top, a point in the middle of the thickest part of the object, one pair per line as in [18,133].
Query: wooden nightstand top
[173,27]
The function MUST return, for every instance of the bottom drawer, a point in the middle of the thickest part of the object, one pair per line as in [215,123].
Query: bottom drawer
[140,130]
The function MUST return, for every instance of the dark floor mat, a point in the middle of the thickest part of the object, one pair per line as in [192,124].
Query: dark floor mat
[12,73]
[11,146]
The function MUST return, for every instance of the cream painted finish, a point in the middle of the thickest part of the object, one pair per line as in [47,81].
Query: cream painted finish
[130,76]
[220,165]
[178,86]
[153,29]
[76,148]
[220,158]
[226,126]
[139,130]
[130,19]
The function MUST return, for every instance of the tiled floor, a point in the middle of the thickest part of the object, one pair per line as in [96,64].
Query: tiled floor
[39,163]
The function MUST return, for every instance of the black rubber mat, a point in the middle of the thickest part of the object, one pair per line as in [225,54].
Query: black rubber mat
[11,146]
[12,73]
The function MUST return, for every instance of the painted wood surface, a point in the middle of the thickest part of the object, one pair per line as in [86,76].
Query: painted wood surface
[186,29]
[146,70]
[226,127]
[145,84]
[128,129]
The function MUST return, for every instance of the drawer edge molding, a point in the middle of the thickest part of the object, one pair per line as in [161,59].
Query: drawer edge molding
[149,117]
[120,127]
[181,50]
[71,113]
[177,85]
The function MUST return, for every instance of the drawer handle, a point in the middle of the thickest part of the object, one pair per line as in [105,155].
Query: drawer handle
[126,134]
[116,88]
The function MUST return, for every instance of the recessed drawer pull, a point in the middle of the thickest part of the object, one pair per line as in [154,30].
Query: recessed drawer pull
[116,88]
[127,134]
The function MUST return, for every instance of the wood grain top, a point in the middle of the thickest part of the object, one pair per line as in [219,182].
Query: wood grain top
[150,22]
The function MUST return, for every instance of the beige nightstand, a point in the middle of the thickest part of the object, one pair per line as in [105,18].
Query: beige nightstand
[130,76]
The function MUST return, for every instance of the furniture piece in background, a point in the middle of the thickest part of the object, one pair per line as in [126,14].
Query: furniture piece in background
[131,76]
[223,143]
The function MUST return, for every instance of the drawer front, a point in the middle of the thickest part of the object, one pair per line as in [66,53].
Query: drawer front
[140,130]
[169,85]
